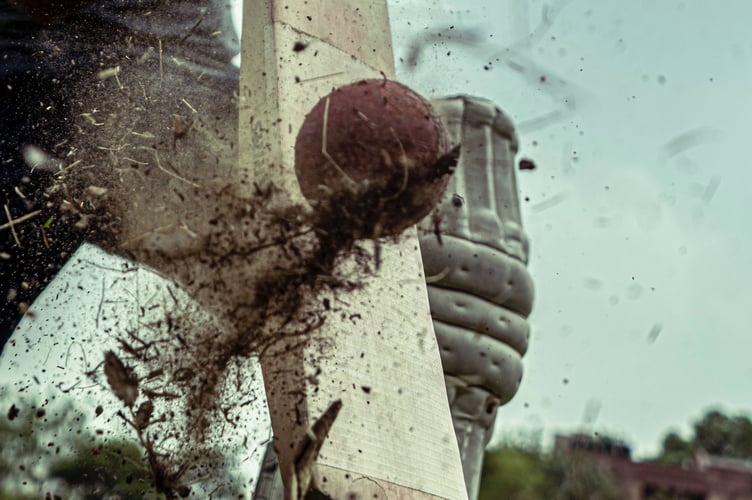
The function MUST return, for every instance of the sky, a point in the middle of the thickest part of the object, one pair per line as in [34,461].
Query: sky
[635,115]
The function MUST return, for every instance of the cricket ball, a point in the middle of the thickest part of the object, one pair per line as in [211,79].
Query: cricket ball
[375,156]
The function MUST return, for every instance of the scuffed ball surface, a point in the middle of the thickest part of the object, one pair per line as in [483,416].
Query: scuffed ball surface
[374,152]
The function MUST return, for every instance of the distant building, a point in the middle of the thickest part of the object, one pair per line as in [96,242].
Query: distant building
[705,477]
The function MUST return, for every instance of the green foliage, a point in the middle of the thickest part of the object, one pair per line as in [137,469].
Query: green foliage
[517,473]
[524,472]
[46,447]
[51,447]
[716,433]
[585,480]
[675,449]
[115,467]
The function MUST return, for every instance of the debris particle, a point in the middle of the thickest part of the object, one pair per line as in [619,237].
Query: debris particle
[143,415]
[13,412]
[96,190]
[527,164]
[108,73]
[654,332]
[690,139]
[593,283]
[549,202]
[122,380]
[710,189]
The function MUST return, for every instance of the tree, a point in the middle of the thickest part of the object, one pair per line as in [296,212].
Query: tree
[525,472]
[46,448]
[585,479]
[115,467]
[716,433]
[522,471]
[516,472]
[49,447]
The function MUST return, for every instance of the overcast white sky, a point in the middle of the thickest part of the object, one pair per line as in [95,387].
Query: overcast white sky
[637,211]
